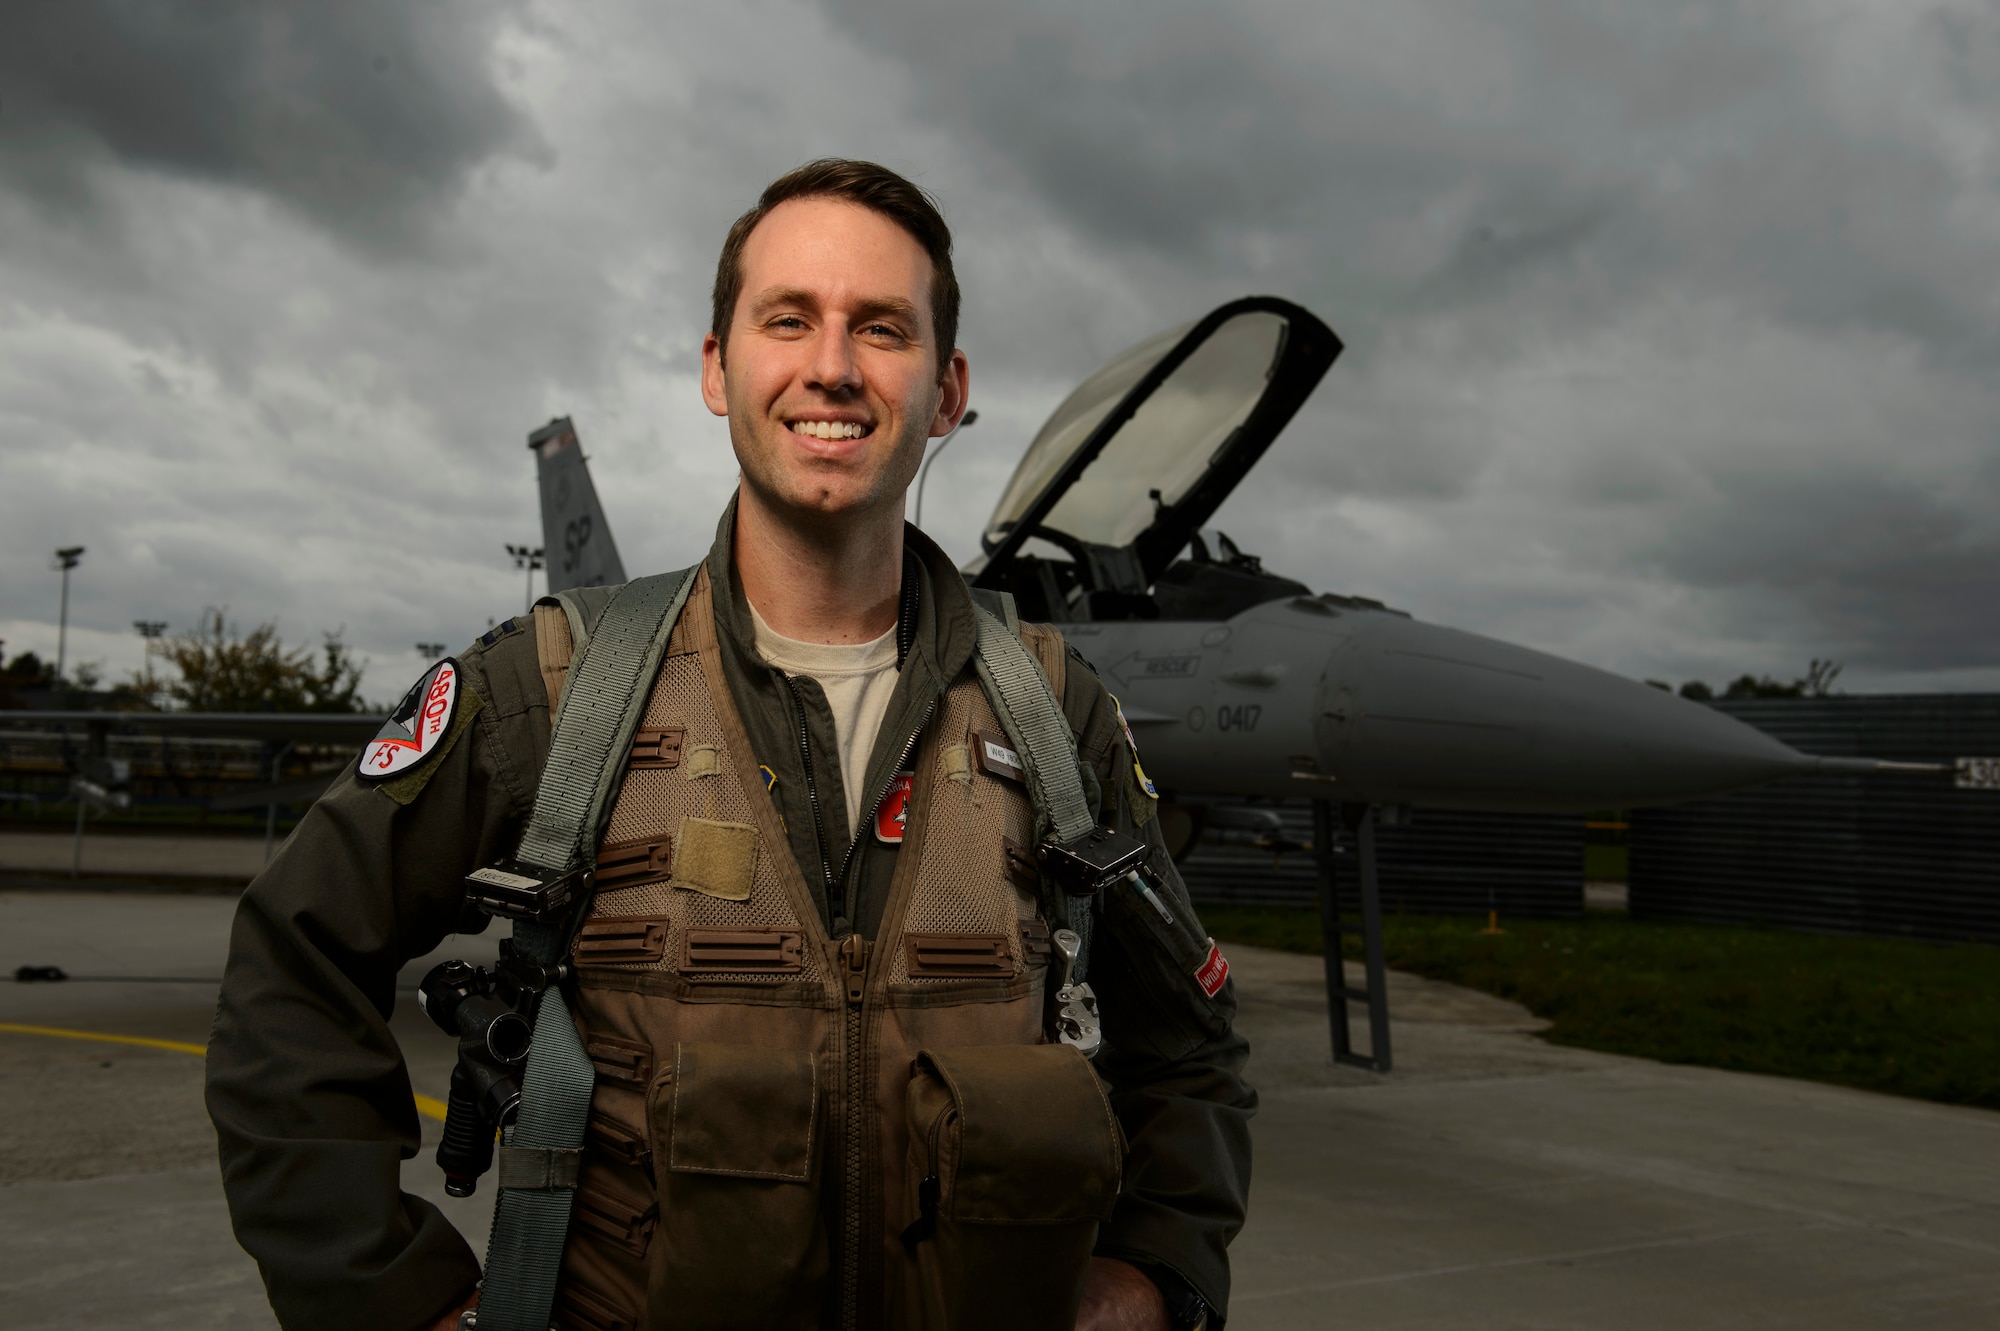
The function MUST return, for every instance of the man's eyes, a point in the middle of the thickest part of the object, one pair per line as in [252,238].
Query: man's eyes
[877,330]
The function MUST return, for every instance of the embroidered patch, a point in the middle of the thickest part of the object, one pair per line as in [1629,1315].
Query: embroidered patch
[892,815]
[1213,972]
[415,731]
[996,758]
[1145,782]
[770,778]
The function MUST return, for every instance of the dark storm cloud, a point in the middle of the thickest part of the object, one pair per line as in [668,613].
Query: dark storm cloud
[1857,553]
[359,114]
[1620,145]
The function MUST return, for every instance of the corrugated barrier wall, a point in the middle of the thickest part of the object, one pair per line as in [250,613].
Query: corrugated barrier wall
[1438,862]
[1910,856]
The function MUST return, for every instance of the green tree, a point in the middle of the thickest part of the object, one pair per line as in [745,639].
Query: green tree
[223,669]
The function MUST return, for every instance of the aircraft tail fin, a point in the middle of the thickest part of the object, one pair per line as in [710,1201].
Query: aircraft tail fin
[575,532]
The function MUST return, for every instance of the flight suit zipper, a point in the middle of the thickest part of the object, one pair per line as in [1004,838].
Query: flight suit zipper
[812,792]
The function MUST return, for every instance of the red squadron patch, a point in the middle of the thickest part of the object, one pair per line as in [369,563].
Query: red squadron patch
[1213,972]
[416,729]
[892,815]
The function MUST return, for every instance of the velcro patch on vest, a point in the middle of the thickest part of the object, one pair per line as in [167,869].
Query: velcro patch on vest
[764,951]
[715,859]
[703,760]
[580,1309]
[610,1139]
[957,762]
[622,940]
[656,747]
[996,757]
[957,956]
[415,731]
[630,863]
[618,1219]
[1213,972]
[892,815]
[620,1060]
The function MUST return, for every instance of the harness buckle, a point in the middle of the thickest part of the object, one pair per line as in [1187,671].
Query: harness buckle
[1092,862]
[525,892]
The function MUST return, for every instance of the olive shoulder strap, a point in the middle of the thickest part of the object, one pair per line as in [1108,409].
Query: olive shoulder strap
[603,699]
[1033,718]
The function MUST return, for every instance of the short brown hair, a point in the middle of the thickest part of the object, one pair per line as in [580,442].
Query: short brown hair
[876,188]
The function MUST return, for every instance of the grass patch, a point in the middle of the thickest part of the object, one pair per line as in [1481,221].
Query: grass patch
[1915,1019]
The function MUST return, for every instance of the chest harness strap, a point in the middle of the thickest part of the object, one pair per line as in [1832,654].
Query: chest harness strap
[602,702]
[601,709]
[1033,718]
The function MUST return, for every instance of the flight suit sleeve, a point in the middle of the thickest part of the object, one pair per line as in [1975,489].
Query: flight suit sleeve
[1172,1059]
[305,1083]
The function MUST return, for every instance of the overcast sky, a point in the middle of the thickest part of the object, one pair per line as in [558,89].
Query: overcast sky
[1674,330]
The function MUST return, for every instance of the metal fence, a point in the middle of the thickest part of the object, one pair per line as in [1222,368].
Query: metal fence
[1909,856]
[1438,862]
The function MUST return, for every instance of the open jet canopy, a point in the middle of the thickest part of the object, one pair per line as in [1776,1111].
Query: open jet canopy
[1133,462]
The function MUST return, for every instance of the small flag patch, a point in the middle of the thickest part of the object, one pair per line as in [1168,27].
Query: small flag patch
[1213,972]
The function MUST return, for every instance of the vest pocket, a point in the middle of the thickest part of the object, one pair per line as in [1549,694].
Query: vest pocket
[581,1309]
[1015,1159]
[735,1148]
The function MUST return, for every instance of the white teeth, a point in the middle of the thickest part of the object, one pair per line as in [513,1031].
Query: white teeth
[829,429]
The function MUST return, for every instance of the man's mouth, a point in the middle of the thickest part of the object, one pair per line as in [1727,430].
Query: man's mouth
[830,430]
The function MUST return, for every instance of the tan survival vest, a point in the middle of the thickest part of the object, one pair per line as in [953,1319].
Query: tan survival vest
[765,1146]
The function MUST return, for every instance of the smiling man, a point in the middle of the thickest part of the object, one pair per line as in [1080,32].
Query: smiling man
[835,1075]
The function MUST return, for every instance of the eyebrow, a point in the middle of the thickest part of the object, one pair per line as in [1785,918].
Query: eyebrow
[876,308]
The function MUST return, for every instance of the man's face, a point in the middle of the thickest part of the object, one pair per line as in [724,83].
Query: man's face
[832,384]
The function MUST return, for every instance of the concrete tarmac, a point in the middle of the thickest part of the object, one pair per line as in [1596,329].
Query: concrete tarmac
[132,854]
[1492,1181]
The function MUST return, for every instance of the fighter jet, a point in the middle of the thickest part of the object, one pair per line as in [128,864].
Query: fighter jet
[1239,681]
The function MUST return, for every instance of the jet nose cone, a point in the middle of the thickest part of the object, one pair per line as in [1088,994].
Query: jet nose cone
[1416,713]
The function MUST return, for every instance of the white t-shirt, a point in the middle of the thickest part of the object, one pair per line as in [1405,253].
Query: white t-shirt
[858,679]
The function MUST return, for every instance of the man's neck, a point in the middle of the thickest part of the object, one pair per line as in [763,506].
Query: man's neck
[836,582]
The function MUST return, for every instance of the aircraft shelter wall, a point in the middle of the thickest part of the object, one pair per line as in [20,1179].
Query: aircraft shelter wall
[1438,862]
[1892,856]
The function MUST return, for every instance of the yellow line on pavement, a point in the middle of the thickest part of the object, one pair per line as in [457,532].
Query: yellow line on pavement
[426,1105]
[178,1046]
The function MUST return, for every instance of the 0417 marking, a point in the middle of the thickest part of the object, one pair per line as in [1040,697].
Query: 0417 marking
[1243,717]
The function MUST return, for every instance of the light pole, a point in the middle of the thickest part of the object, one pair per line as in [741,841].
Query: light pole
[67,558]
[969,418]
[430,651]
[529,559]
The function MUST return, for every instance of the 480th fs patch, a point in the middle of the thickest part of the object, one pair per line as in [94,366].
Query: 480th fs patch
[415,731]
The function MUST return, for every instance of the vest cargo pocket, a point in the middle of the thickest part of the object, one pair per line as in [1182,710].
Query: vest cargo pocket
[581,1309]
[735,1148]
[1015,1159]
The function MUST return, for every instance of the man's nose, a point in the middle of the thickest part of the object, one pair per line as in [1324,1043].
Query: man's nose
[833,368]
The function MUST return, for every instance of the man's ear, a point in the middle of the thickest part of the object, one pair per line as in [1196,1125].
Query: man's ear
[714,384]
[954,392]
